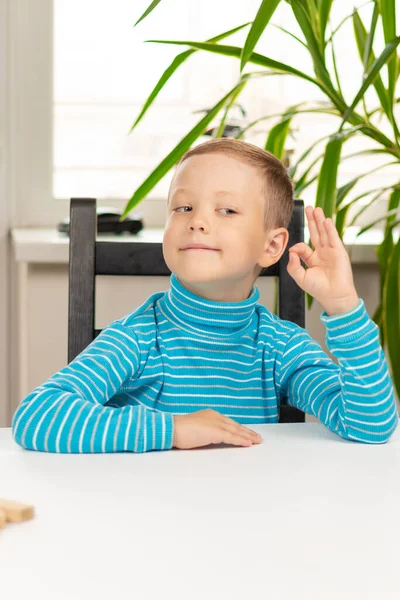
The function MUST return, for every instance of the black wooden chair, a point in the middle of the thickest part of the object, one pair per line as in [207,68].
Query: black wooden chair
[88,258]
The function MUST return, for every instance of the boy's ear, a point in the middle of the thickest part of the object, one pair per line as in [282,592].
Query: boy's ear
[275,247]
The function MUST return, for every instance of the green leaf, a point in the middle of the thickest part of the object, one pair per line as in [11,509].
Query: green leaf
[346,188]
[324,8]
[277,137]
[264,14]
[326,190]
[371,201]
[308,24]
[367,152]
[340,220]
[299,183]
[169,161]
[384,217]
[376,66]
[148,10]
[391,314]
[303,186]
[363,41]
[383,252]
[288,33]
[221,128]
[307,152]
[235,52]
[178,60]
[387,8]
[394,203]
[295,112]
[370,38]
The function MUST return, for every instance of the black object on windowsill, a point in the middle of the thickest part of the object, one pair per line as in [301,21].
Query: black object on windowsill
[108,221]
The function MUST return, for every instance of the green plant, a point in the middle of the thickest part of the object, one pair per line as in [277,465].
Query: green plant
[352,119]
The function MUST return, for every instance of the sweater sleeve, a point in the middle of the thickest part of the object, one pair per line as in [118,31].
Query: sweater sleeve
[354,398]
[67,412]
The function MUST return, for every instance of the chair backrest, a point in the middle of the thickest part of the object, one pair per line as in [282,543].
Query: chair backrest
[88,258]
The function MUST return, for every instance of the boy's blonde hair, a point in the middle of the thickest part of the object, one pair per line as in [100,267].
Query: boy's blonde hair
[277,188]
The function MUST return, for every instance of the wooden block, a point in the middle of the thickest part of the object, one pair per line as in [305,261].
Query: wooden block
[16,512]
[2,518]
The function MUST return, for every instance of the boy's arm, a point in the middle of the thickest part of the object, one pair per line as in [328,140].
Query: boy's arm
[66,413]
[355,398]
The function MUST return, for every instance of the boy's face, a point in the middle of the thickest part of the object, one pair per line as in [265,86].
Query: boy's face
[217,200]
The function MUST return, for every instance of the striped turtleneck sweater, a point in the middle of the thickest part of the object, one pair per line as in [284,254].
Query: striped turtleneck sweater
[179,353]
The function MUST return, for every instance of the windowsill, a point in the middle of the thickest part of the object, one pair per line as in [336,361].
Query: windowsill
[50,246]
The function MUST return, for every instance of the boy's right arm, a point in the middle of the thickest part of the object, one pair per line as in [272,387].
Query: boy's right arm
[66,413]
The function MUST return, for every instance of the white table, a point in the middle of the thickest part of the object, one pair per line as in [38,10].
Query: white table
[304,515]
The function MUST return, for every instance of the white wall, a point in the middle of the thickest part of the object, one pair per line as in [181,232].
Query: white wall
[4,215]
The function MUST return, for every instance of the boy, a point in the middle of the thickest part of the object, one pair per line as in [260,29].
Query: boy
[194,365]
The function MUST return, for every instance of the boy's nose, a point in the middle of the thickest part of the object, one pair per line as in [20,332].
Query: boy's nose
[198,222]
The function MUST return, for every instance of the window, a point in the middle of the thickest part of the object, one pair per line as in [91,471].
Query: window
[80,75]
[103,73]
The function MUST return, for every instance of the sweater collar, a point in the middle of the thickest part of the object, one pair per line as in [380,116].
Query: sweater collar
[201,316]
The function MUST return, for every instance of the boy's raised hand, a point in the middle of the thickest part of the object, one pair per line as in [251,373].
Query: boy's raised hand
[328,277]
[205,427]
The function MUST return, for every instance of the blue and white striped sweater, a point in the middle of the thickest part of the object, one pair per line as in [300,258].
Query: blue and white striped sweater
[179,353]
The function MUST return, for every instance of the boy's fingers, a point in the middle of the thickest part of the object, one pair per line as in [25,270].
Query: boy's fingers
[302,250]
[243,431]
[295,269]
[233,426]
[313,229]
[229,437]
[320,218]
[333,234]
[250,432]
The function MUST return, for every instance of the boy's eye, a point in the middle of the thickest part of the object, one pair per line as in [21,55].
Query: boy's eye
[229,209]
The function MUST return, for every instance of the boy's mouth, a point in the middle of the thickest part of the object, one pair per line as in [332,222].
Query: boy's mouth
[199,247]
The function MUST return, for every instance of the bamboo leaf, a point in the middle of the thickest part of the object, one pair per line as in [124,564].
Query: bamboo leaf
[383,252]
[264,14]
[379,220]
[326,190]
[234,51]
[374,199]
[170,160]
[368,57]
[288,33]
[306,184]
[340,220]
[376,66]
[387,9]
[346,188]
[178,60]
[297,112]
[221,128]
[394,203]
[299,183]
[148,10]
[370,38]
[343,21]
[305,18]
[277,137]
[324,11]
[306,153]
[391,314]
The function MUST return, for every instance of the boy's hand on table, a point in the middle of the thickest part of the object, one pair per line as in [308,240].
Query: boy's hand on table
[328,277]
[205,427]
